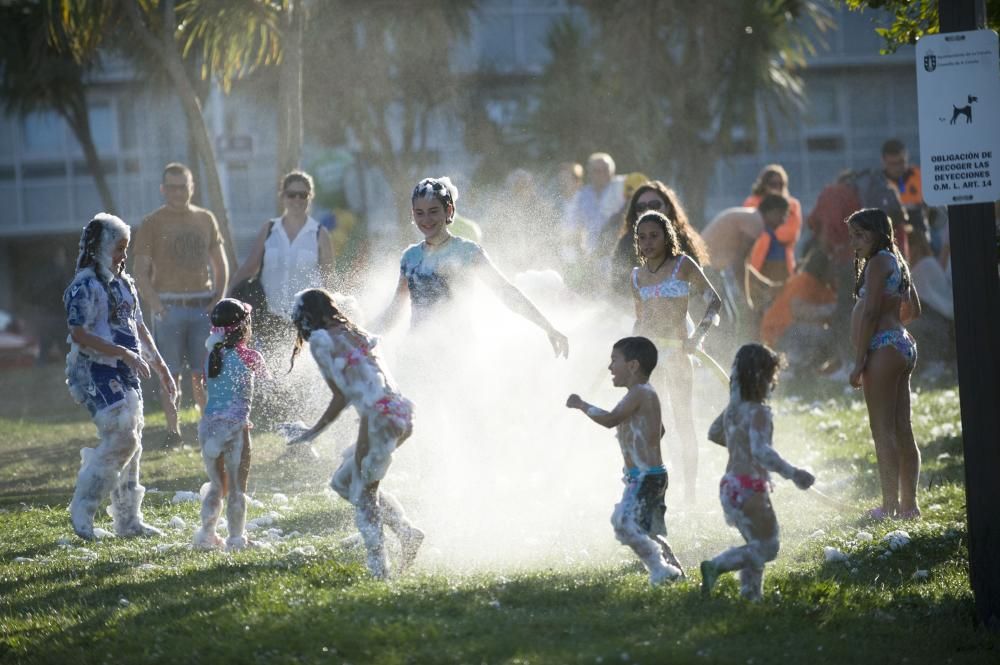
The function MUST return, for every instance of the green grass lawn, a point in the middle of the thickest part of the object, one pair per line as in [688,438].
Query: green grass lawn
[307,598]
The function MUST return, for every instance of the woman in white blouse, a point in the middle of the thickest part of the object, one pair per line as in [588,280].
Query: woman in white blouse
[292,252]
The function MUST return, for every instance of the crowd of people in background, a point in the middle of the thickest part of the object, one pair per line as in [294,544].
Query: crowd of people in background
[769,272]
[785,277]
[835,292]
[759,255]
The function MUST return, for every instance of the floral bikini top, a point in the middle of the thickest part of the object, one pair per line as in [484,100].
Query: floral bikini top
[893,283]
[671,287]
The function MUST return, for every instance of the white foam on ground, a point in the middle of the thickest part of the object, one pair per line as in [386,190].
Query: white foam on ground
[896,540]
[182,497]
[833,555]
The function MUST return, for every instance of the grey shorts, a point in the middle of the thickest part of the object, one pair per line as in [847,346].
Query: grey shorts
[180,334]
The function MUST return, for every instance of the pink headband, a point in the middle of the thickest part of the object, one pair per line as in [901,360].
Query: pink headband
[247,307]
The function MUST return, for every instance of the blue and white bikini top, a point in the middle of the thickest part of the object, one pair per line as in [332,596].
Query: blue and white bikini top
[893,283]
[671,287]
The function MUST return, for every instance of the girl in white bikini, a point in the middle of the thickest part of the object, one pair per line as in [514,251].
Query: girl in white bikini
[661,288]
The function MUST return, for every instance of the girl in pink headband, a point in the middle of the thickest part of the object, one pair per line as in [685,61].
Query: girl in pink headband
[224,430]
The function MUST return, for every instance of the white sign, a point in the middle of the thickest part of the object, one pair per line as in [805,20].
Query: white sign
[958,102]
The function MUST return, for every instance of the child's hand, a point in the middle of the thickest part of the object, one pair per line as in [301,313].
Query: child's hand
[559,342]
[690,345]
[305,437]
[137,364]
[803,479]
[295,432]
[855,377]
[169,386]
[574,402]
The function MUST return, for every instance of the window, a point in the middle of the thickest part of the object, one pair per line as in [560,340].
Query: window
[102,127]
[43,134]
[6,138]
[869,102]
[494,35]
[822,105]
[126,124]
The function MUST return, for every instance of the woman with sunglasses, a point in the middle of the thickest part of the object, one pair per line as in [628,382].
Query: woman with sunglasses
[290,253]
[656,196]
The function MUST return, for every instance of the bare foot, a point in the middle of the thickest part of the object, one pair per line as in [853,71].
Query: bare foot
[239,543]
[204,540]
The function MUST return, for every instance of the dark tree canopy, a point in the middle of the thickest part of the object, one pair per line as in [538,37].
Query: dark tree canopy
[914,18]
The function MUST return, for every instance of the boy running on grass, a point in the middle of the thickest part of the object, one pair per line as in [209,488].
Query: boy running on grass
[638,518]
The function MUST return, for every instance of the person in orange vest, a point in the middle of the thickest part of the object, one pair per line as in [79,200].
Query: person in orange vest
[898,171]
[798,321]
[773,179]
[906,178]
[768,265]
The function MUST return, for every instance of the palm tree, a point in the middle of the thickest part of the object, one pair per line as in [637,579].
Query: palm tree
[290,129]
[380,79]
[37,73]
[228,38]
[671,84]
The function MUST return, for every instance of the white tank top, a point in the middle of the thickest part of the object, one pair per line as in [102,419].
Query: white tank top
[289,266]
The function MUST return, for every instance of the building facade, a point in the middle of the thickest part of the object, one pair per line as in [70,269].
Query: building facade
[857,99]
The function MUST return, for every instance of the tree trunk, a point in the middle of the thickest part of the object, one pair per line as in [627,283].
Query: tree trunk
[76,116]
[290,91]
[693,180]
[164,47]
[203,143]
[401,182]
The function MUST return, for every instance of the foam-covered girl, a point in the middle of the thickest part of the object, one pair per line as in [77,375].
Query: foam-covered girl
[746,428]
[885,354]
[224,431]
[348,360]
[662,289]
[111,351]
[431,270]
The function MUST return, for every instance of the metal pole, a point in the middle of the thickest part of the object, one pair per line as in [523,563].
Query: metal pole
[976,286]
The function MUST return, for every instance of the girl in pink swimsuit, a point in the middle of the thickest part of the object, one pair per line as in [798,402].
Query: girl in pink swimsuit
[348,360]
[745,428]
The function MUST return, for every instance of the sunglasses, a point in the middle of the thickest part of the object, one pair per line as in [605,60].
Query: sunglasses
[655,204]
[175,188]
[296,195]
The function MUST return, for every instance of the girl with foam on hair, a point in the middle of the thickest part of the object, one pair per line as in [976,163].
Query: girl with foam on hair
[885,354]
[431,269]
[662,287]
[348,360]
[111,350]
[224,430]
[746,429]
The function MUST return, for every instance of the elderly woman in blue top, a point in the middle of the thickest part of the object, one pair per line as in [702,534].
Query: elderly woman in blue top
[429,269]
[111,351]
